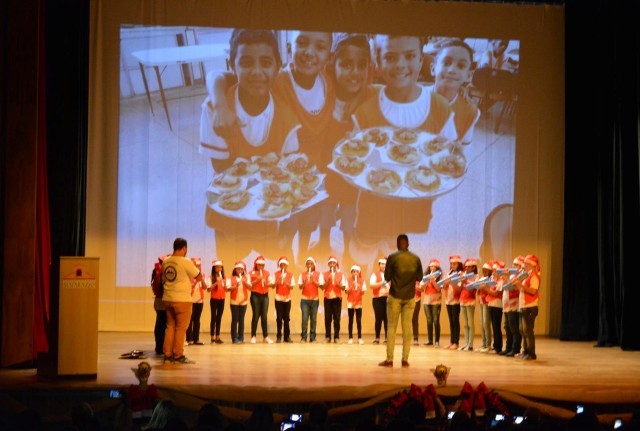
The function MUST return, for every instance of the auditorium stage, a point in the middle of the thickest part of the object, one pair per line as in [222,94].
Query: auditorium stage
[565,374]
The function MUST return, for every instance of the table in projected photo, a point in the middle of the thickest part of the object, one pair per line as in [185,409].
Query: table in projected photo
[178,55]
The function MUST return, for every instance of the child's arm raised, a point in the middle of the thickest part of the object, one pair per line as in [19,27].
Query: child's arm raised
[218,83]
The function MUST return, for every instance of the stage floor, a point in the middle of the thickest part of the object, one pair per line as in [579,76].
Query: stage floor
[565,371]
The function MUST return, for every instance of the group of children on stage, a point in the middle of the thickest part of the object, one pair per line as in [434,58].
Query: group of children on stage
[495,289]
[252,287]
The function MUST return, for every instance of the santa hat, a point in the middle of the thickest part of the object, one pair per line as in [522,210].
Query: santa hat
[518,260]
[434,262]
[455,258]
[532,260]
[382,260]
[488,265]
[282,260]
[196,261]
[240,264]
[356,268]
[310,259]
[333,259]
[216,262]
[259,261]
[498,264]
[471,262]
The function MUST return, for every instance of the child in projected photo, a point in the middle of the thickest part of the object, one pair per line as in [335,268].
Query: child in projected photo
[401,102]
[452,70]
[351,69]
[302,86]
[265,127]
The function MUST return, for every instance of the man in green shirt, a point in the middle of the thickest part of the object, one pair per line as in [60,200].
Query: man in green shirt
[403,270]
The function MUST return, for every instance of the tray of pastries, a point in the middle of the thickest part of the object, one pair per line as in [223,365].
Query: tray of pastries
[399,162]
[267,187]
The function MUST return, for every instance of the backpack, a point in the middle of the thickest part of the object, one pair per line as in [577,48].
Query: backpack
[156,280]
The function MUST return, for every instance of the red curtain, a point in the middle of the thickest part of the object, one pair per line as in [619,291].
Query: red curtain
[43,235]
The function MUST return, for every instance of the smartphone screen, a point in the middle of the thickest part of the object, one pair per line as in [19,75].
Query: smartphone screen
[579,409]
[617,423]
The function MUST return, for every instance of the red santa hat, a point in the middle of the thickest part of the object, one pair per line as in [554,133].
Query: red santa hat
[356,268]
[455,258]
[382,260]
[488,265]
[519,260]
[282,260]
[471,262]
[498,264]
[312,260]
[259,261]
[216,262]
[240,264]
[434,262]
[333,259]
[532,260]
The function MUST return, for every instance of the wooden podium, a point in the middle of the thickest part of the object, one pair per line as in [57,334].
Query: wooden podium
[77,346]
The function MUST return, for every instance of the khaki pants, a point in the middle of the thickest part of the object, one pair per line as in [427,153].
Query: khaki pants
[178,318]
[399,309]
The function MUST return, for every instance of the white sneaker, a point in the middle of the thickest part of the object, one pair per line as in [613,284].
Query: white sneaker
[253,340]
[350,341]
[268,340]
[360,341]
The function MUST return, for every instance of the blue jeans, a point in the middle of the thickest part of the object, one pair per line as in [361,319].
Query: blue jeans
[237,322]
[259,310]
[400,309]
[309,308]
[433,321]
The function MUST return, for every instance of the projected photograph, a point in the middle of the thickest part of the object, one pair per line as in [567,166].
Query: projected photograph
[300,143]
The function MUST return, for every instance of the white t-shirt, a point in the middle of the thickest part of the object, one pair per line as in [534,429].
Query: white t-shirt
[312,100]
[413,114]
[177,272]
[256,129]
